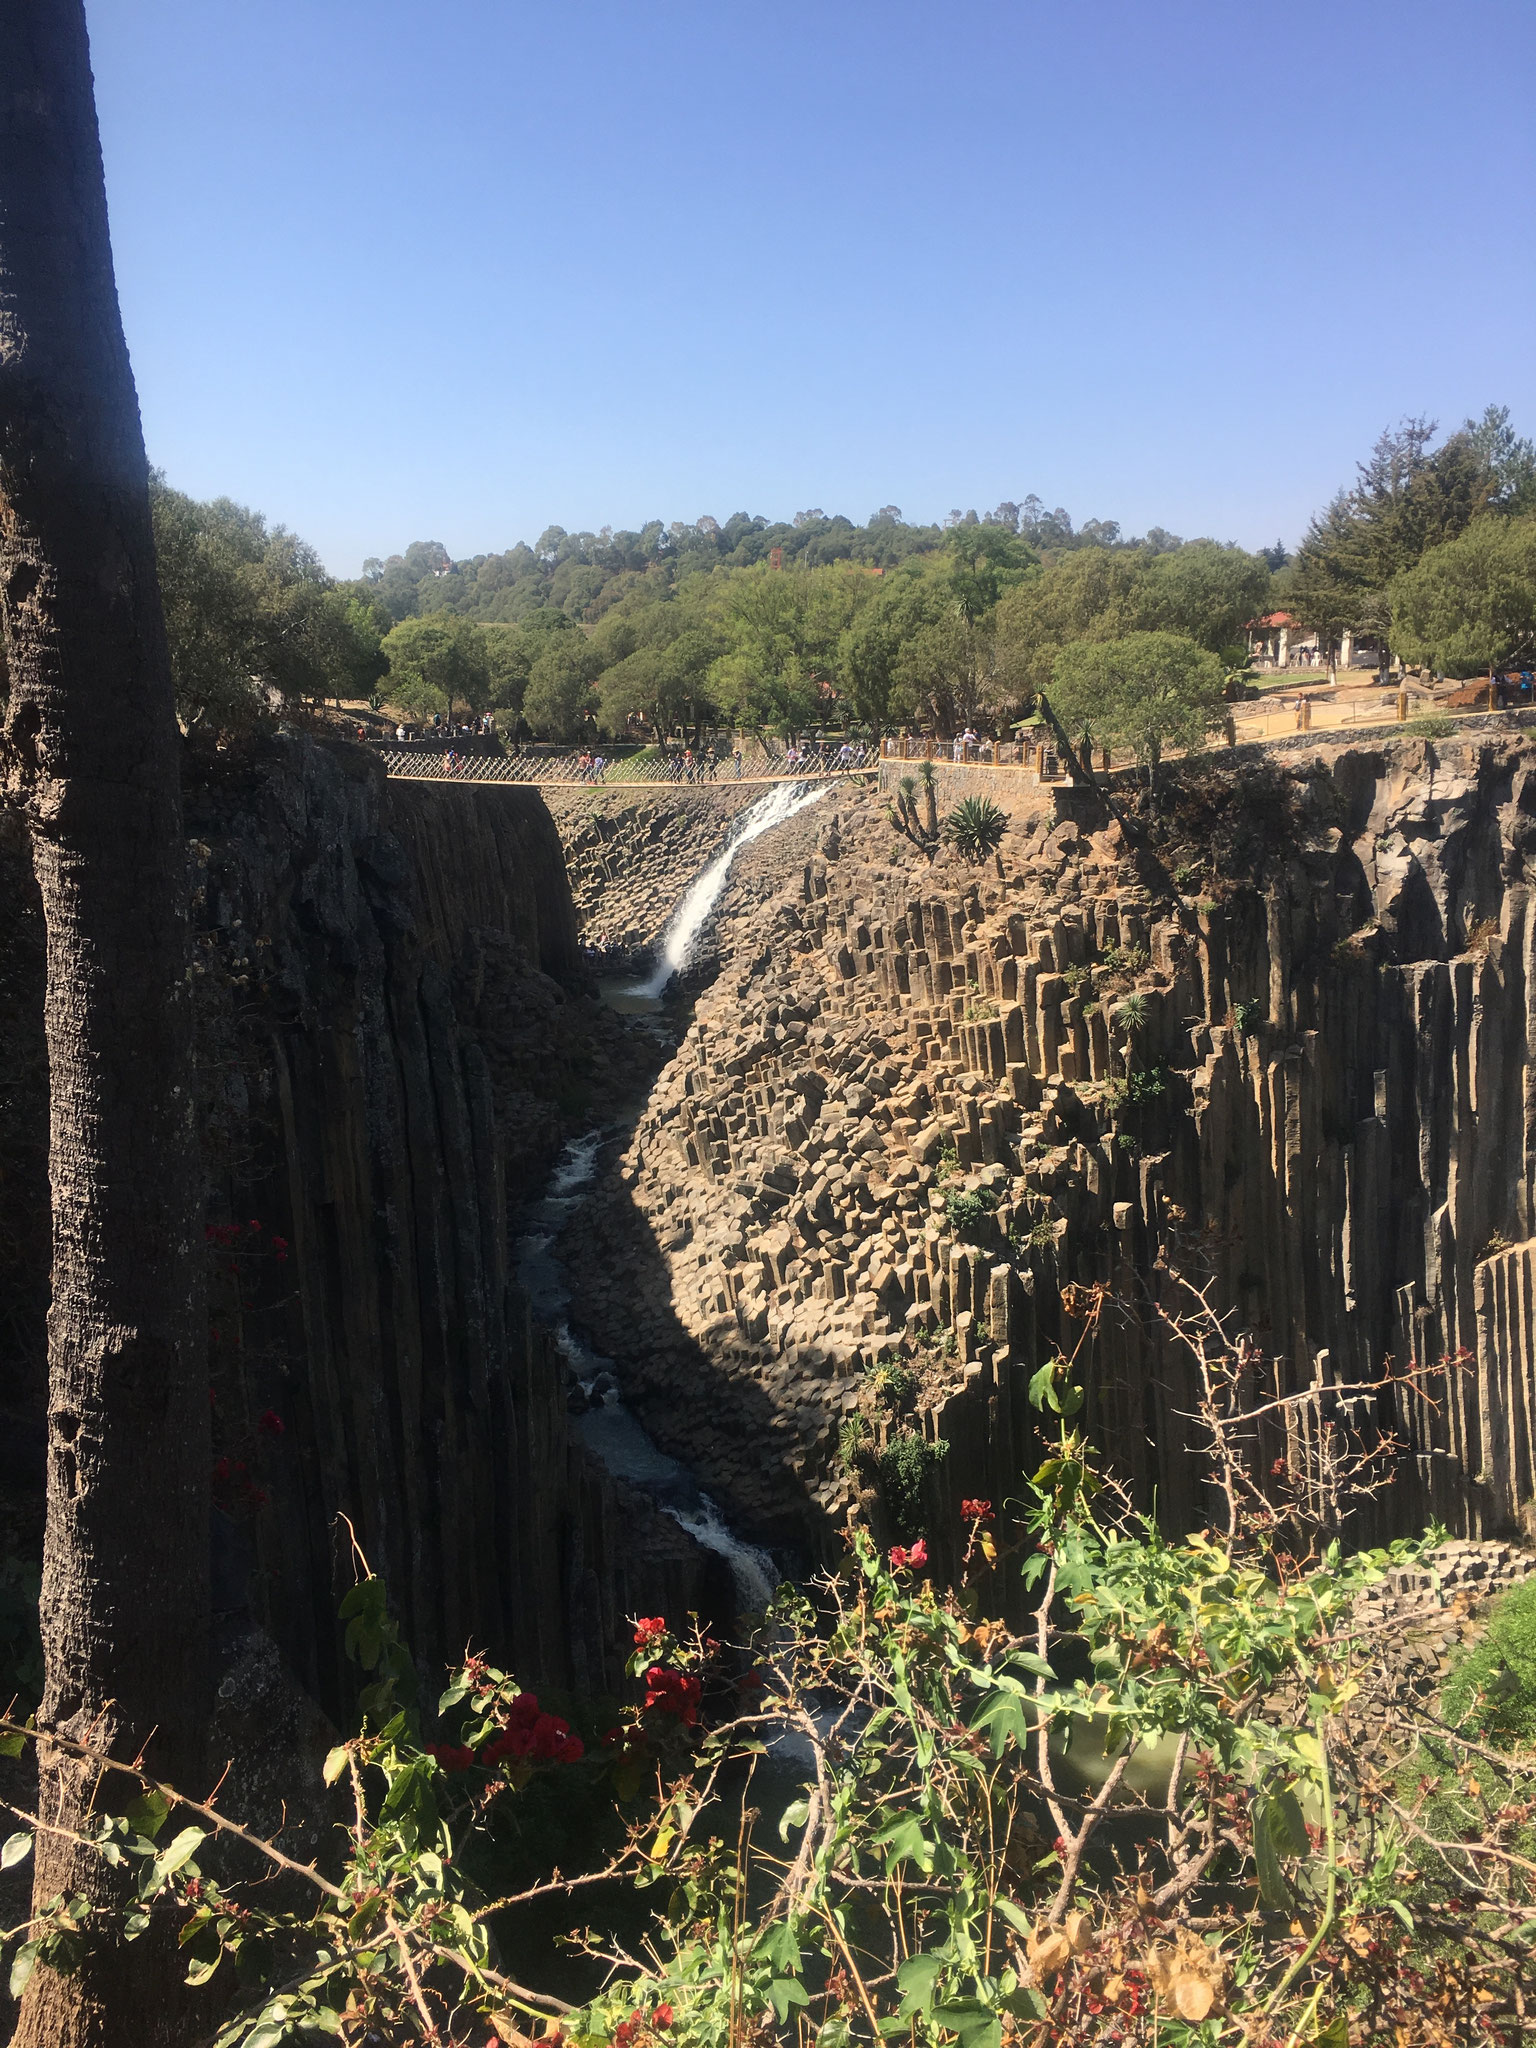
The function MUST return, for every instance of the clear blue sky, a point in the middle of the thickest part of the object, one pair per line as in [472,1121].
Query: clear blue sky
[460,271]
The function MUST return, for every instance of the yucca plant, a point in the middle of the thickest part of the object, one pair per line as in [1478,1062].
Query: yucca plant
[975,827]
[924,833]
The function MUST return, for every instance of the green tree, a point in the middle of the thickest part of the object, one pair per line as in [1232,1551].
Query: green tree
[1408,497]
[1470,605]
[250,609]
[1147,691]
[560,697]
[436,665]
[1089,593]
[1509,458]
[1203,590]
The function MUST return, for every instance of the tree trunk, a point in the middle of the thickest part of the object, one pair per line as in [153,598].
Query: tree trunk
[92,752]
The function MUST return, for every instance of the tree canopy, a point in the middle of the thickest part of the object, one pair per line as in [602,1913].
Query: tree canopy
[1470,605]
[1147,691]
[247,607]
[816,620]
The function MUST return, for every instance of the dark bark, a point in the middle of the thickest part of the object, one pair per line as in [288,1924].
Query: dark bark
[91,751]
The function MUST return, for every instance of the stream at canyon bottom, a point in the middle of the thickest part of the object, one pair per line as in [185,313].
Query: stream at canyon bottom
[606,1426]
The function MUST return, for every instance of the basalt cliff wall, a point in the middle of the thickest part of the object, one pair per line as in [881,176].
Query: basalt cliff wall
[956,1120]
[392,1047]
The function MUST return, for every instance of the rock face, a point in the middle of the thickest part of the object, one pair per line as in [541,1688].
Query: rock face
[927,1114]
[390,1038]
[631,858]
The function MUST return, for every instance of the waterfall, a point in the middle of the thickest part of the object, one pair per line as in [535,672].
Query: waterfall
[694,911]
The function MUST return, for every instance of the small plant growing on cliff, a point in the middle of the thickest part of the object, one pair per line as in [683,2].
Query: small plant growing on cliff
[892,1383]
[1129,960]
[853,1440]
[1433,726]
[901,1469]
[967,1208]
[1132,1013]
[1185,877]
[975,828]
[1136,1091]
[1074,977]
[949,1162]
[1245,1016]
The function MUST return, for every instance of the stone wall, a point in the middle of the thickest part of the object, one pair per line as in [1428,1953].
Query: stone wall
[1018,791]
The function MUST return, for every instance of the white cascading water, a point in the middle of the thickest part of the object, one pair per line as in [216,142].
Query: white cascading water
[693,912]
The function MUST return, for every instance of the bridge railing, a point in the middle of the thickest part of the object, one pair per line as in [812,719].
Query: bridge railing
[759,763]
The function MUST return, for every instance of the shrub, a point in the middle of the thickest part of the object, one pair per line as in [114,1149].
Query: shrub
[1492,1691]
[1434,725]
[966,1208]
[902,1466]
[975,827]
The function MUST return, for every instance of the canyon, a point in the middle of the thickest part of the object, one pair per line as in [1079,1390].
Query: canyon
[902,1133]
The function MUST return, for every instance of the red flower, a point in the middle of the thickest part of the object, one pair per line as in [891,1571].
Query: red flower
[271,1422]
[673,1692]
[976,1510]
[450,1757]
[662,2016]
[648,1632]
[916,1557]
[254,1225]
[221,1470]
[528,1732]
[280,1246]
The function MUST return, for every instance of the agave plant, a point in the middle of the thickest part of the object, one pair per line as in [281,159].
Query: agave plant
[975,827]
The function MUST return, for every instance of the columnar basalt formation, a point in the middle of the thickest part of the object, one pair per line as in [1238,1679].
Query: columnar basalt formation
[392,1048]
[632,854]
[927,1113]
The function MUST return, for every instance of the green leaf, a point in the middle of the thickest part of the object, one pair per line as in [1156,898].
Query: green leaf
[182,1850]
[17,1846]
[903,1841]
[977,2025]
[147,1814]
[23,1966]
[780,1949]
[1016,1917]
[1335,2034]
[795,1815]
[1273,1888]
[1289,1823]
[455,1693]
[917,1978]
[785,1992]
[335,1764]
[1000,1717]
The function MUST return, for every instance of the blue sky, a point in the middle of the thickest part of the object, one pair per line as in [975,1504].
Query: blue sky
[458,272]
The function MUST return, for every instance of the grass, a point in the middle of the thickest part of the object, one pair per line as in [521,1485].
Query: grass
[1492,1691]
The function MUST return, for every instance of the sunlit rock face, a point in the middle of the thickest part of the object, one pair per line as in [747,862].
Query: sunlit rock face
[925,1110]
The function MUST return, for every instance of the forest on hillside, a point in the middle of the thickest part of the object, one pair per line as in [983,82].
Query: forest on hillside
[1430,552]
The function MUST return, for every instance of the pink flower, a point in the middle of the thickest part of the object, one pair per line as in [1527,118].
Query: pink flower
[916,1557]
[976,1510]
